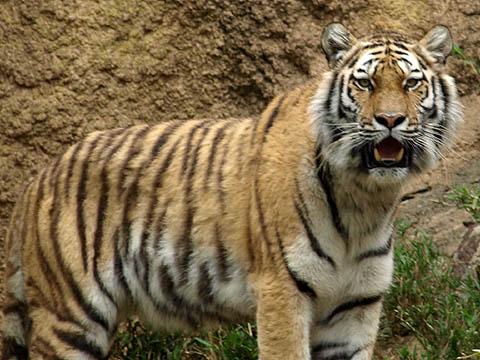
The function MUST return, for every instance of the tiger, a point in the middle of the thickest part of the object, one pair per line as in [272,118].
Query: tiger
[284,219]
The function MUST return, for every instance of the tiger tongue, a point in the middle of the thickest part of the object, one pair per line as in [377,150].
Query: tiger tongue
[389,149]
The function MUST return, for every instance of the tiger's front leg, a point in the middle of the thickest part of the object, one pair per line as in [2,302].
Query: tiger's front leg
[349,333]
[283,319]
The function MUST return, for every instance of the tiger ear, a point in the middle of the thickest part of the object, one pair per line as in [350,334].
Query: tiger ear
[439,42]
[336,41]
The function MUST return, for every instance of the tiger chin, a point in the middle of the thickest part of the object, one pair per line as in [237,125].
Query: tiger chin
[283,219]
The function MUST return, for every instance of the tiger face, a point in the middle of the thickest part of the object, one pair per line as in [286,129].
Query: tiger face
[386,109]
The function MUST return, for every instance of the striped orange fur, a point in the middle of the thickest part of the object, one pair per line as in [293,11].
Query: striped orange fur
[284,219]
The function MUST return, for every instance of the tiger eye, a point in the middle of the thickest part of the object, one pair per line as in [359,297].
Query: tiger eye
[410,83]
[364,83]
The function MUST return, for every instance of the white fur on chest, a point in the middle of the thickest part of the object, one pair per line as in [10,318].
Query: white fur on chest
[351,277]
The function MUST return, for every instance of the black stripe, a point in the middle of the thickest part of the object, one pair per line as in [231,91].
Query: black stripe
[240,151]
[331,92]
[164,137]
[222,255]
[250,248]
[372,45]
[407,61]
[129,201]
[349,89]
[139,268]
[55,170]
[41,300]
[337,131]
[71,164]
[439,132]
[272,118]
[18,308]
[62,311]
[205,291]
[350,305]
[79,342]
[353,62]
[342,356]
[340,89]
[327,346]
[194,157]
[46,350]
[185,249]
[314,243]
[421,59]
[213,151]
[87,308]
[135,147]
[256,122]
[118,264]
[446,97]
[433,110]
[352,59]
[11,349]
[261,217]
[398,52]
[382,251]
[188,145]
[81,197]
[302,285]
[145,261]
[401,46]
[221,192]
[22,206]
[327,189]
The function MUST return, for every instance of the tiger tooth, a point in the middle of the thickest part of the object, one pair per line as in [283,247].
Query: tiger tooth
[399,155]
[376,154]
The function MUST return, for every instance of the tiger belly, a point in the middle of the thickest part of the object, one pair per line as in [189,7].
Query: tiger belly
[166,297]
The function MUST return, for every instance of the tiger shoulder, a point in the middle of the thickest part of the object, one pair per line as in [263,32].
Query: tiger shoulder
[284,219]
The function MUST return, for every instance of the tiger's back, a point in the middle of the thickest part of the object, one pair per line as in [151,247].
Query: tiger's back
[285,219]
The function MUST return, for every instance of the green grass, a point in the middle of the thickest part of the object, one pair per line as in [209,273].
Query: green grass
[467,199]
[473,63]
[427,306]
[428,303]
[137,342]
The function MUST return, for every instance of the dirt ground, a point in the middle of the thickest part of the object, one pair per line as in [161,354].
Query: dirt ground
[68,67]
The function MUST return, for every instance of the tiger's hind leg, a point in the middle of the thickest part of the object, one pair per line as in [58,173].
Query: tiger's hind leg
[54,338]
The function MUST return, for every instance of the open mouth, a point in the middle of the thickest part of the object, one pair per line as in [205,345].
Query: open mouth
[387,153]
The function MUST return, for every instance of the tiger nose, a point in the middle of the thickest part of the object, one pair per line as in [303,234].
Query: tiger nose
[390,120]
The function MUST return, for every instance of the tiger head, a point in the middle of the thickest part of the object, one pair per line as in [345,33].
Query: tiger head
[386,108]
